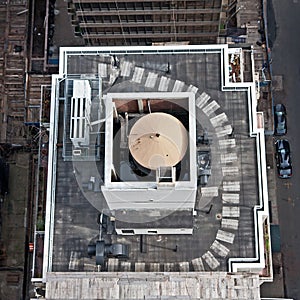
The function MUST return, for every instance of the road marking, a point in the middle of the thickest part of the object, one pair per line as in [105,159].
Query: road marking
[230,171]
[225,236]
[210,260]
[138,74]
[151,80]
[231,211]
[163,84]
[192,89]
[212,191]
[231,198]
[202,100]
[198,264]
[289,200]
[230,143]
[178,86]
[219,120]
[288,184]
[126,67]
[230,223]
[231,186]
[219,249]
[228,157]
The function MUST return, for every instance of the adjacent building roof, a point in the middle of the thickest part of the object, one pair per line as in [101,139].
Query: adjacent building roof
[196,285]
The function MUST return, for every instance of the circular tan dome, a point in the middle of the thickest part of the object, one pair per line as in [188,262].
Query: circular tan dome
[158,140]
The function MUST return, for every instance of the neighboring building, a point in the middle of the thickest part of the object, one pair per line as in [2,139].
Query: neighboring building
[149,22]
[181,199]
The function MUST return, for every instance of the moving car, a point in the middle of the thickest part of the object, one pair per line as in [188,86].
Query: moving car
[283,159]
[280,119]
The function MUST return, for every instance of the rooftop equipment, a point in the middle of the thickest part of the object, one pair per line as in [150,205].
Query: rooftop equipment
[103,251]
[100,249]
[158,140]
[80,113]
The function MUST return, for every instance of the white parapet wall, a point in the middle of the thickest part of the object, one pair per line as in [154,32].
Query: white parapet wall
[262,259]
[51,180]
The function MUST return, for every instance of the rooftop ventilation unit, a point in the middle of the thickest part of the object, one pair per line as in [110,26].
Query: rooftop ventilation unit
[80,113]
[103,251]
[100,249]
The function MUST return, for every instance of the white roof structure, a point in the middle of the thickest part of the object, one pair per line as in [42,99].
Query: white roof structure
[155,140]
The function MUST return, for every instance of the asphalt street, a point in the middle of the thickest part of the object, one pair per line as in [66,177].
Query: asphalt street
[284,37]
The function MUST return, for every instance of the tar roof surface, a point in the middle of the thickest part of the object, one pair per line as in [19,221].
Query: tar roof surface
[234,164]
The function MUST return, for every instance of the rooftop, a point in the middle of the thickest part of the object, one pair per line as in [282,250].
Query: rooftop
[227,209]
[195,285]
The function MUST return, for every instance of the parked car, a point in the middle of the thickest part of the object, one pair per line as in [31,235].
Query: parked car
[280,119]
[283,159]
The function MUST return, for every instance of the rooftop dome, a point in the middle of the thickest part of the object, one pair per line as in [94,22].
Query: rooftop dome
[158,140]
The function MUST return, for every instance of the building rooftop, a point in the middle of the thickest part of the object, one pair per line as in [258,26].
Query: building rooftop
[195,285]
[229,210]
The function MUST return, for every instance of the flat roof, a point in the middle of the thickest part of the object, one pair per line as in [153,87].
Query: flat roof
[224,220]
[195,285]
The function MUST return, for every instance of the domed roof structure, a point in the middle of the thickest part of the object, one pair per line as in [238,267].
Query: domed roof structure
[158,140]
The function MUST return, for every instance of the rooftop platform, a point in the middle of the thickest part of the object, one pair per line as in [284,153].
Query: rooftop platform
[224,220]
[195,285]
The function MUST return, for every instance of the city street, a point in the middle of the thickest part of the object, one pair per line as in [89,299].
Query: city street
[284,32]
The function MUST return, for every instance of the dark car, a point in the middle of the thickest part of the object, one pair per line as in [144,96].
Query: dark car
[280,119]
[283,159]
